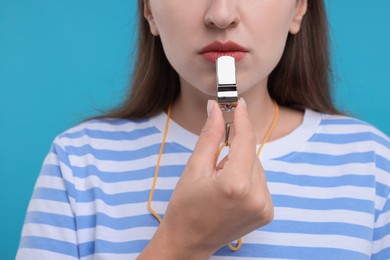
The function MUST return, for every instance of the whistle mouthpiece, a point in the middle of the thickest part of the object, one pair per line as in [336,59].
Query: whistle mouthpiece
[226,83]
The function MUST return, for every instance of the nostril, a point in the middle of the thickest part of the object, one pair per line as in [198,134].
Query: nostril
[222,15]
[221,23]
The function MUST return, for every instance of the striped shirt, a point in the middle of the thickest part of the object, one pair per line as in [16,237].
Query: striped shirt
[329,180]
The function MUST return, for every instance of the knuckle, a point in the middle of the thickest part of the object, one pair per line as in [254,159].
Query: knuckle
[265,211]
[268,215]
[238,190]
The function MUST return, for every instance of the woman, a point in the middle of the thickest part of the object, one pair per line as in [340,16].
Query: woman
[327,190]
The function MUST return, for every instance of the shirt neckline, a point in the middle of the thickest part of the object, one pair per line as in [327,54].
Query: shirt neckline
[293,141]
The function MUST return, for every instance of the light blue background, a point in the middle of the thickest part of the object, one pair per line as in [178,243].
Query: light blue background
[62,61]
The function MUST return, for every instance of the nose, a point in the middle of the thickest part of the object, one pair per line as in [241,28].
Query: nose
[222,14]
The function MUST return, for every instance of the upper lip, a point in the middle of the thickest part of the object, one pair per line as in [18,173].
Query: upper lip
[218,46]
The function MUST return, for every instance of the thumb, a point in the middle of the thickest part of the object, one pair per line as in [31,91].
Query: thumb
[210,138]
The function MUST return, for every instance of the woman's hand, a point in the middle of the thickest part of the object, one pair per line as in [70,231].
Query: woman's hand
[212,206]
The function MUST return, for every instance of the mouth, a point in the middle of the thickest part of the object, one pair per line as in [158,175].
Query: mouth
[217,49]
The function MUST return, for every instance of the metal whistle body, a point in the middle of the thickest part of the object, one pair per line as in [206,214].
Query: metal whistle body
[226,83]
[226,88]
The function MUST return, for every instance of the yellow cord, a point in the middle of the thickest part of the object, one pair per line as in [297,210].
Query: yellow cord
[265,139]
[154,213]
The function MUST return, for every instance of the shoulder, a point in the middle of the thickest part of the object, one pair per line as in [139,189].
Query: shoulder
[354,134]
[99,132]
[340,128]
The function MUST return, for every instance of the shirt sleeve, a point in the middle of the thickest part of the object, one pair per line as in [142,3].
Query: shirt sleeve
[381,235]
[49,231]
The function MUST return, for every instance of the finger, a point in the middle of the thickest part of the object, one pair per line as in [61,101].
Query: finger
[243,148]
[210,138]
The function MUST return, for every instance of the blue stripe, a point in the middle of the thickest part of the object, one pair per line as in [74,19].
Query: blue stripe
[288,252]
[270,251]
[50,194]
[382,232]
[111,135]
[319,228]
[324,204]
[114,177]
[97,194]
[383,163]
[117,121]
[386,207]
[38,217]
[349,138]
[101,246]
[383,254]
[51,170]
[382,190]
[122,198]
[62,155]
[147,220]
[164,195]
[342,121]
[55,171]
[111,155]
[48,244]
[326,159]
[319,181]
[91,221]
[100,219]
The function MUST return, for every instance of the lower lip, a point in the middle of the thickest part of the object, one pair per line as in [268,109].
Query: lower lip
[212,56]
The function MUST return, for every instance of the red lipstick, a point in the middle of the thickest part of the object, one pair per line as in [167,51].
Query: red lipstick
[216,49]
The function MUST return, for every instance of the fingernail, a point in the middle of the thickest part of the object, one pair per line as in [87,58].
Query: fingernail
[210,107]
[242,102]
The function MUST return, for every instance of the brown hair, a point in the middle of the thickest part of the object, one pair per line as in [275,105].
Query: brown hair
[300,80]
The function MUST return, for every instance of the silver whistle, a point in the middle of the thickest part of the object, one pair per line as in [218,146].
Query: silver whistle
[227,88]
[226,83]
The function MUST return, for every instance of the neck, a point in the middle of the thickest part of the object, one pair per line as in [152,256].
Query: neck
[191,104]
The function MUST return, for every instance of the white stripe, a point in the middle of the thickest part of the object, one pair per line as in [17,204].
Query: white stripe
[341,129]
[51,232]
[51,158]
[106,125]
[356,128]
[381,244]
[66,172]
[120,211]
[36,254]
[379,202]
[323,216]
[300,169]
[382,176]
[383,220]
[163,183]
[116,236]
[351,192]
[308,240]
[120,166]
[114,145]
[51,182]
[106,256]
[48,206]
[339,149]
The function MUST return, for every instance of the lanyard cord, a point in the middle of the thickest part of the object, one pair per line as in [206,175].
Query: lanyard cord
[265,139]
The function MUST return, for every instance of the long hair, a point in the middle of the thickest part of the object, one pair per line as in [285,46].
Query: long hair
[300,80]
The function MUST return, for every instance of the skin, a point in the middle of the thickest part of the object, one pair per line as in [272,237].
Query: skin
[212,206]
[261,26]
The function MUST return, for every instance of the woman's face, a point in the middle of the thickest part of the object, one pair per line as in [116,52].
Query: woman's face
[195,33]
